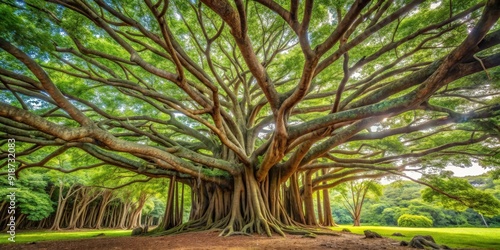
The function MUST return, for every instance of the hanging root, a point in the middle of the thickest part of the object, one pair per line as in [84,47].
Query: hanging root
[482,65]
[244,210]
[235,224]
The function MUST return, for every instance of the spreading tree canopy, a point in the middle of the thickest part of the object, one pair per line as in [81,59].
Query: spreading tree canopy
[254,104]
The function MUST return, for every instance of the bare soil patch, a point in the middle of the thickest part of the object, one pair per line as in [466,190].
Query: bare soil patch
[210,240]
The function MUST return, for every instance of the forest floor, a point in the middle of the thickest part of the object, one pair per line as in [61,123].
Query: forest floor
[210,240]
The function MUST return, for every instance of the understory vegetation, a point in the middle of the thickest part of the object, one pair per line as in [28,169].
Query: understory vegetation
[405,197]
[472,237]
[49,235]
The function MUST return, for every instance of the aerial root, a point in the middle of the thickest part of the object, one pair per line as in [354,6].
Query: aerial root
[229,231]
[247,226]
[260,226]
[238,233]
[190,226]
[277,229]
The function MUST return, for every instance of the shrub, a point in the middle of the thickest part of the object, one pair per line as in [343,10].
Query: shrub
[409,220]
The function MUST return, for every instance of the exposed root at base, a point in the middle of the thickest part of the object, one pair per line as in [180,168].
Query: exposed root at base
[230,232]
[259,226]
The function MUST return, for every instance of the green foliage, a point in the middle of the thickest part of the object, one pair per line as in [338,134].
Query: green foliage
[36,236]
[404,197]
[468,196]
[154,208]
[370,187]
[353,194]
[28,31]
[340,214]
[31,196]
[409,220]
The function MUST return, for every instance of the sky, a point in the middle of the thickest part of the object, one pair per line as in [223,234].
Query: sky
[461,172]
[457,172]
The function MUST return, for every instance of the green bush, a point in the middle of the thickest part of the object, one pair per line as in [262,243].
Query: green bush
[409,220]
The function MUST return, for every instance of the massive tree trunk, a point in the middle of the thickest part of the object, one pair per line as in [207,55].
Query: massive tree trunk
[248,207]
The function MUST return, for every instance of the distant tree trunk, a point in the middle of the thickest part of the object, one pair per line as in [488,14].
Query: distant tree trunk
[73,210]
[358,198]
[89,219]
[42,223]
[20,219]
[357,221]
[124,215]
[135,216]
[106,198]
[482,217]
[87,195]
[80,220]
[2,205]
[139,216]
[114,216]
[65,219]
[3,214]
[60,206]
[109,213]
[61,203]
[131,220]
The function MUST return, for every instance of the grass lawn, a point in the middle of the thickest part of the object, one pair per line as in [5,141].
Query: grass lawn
[488,238]
[462,237]
[43,235]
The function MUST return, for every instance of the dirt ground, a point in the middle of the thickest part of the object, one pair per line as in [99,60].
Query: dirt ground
[210,240]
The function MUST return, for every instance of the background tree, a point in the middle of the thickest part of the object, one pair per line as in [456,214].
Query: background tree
[354,193]
[33,203]
[483,202]
[243,101]
[405,197]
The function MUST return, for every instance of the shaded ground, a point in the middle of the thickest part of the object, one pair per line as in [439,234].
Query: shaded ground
[210,240]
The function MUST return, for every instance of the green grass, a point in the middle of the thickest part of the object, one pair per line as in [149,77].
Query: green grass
[46,235]
[460,237]
[488,238]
